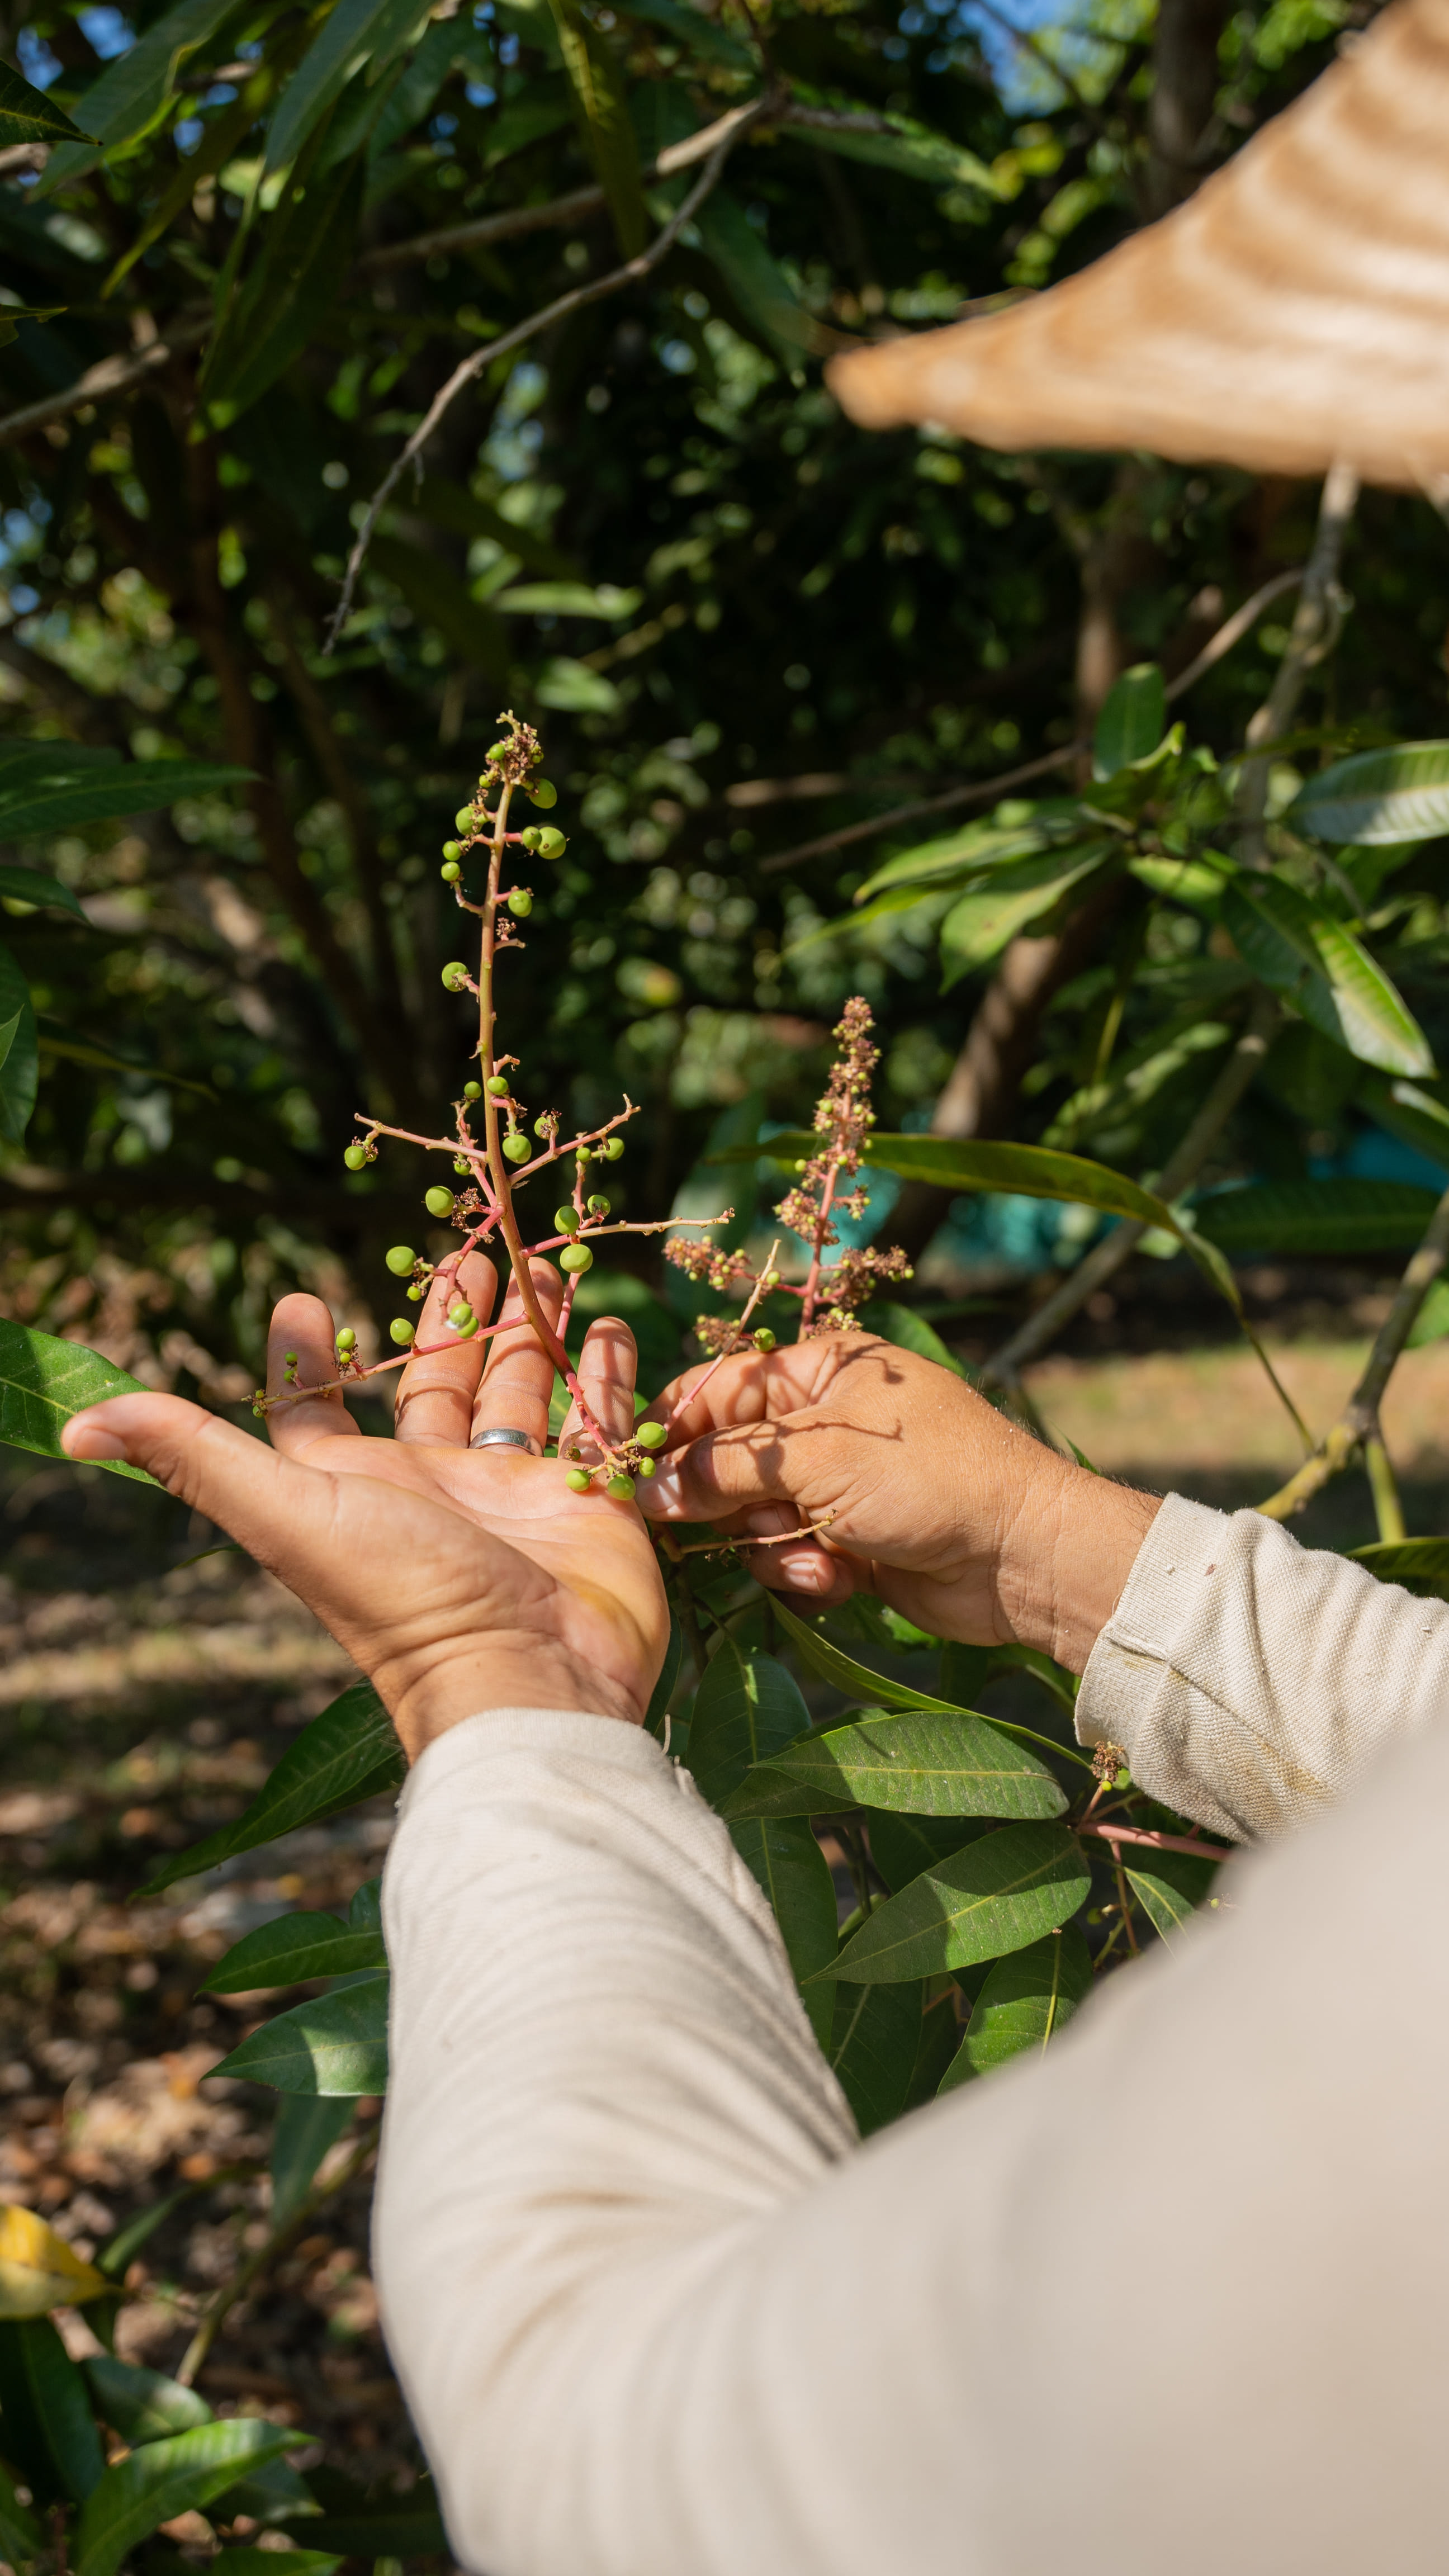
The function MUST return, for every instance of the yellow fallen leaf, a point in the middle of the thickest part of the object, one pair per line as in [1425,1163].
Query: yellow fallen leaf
[38,2270]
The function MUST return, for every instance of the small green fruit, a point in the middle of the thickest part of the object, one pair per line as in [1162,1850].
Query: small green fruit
[613,1147]
[402,1330]
[551,843]
[566,1219]
[452,850]
[651,1435]
[543,1125]
[459,1313]
[465,1332]
[576,1257]
[497,1087]
[598,1204]
[472,1090]
[455,976]
[400,1260]
[645,1467]
[516,1148]
[530,836]
[356,1158]
[543,792]
[416,1293]
[770,1279]
[585,1155]
[346,1342]
[621,1488]
[802,1165]
[450,871]
[500,751]
[465,818]
[440,1202]
[578,1480]
[520,903]
[764,1339]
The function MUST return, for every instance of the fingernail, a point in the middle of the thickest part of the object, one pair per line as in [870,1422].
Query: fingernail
[87,1440]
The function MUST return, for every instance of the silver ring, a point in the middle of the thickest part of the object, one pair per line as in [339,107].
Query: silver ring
[507,1440]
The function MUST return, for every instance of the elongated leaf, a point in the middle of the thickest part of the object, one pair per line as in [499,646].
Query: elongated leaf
[22,763]
[692,28]
[32,885]
[996,1895]
[449,505]
[1373,797]
[305,255]
[142,2405]
[1317,1216]
[440,598]
[49,2433]
[914,150]
[949,1163]
[373,2522]
[978,927]
[1422,1562]
[163,2479]
[769,1792]
[926,1765]
[746,1708]
[978,846]
[875,2032]
[350,37]
[292,1950]
[1169,1886]
[28,116]
[1181,881]
[12,315]
[567,599]
[1409,1112]
[307,2126]
[1432,1320]
[831,1663]
[596,80]
[1308,955]
[903,1846]
[134,88]
[909,1332]
[364,1914]
[38,2270]
[131,787]
[1132,722]
[1025,2001]
[44,1383]
[21,2537]
[793,1871]
[348,1753]
[334,2046]
[765,298]
[274,2495]
[19,1051]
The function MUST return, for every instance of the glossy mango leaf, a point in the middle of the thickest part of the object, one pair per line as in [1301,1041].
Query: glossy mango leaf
[306,2127]
[915,150]
[334,2046]
[19,1051]
[973,846]
[691,28]
[306,251]
[353,35]
[747,1708]
[348,1753]
[1169,1886]
[28,116]
[1025,2002]
[952,1163]
[1432,1320]
[45,1382]
[164,2479]
[1422,1562]
[596,79]
[1408,1111]
[1398,794]
[133,89]
[142,2405]
[909,1332]
[1181,881]
[923,1764]
[1308,956]
[795,1875]
[766,300]
[1317,1216]
[830,1663]
[875,2033]
[1132,722]
[293,1949]
[902,1846]
[105,793]
[50,2435]
[1001,1892]
[32,885]
[38,2270]
[273,2495]
[978,927]
[21,2537]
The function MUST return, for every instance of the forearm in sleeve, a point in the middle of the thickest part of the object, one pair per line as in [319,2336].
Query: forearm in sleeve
[1248,1679]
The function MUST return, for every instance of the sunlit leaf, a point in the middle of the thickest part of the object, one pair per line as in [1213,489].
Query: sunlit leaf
[49,2431]
[107,793]
[746,1709]
[28,116]
[38,2270]
[597,83]
[131,90]
[875,2032]
[1398,794]
[1316,1216]
[830,1663]
[290,1951]
[912,149]
[348,1753]
[795,1875]
[164,2479]
[1132,722]
[567,599]
[1432,1320]
[1422,1562]
[334,2046]
[1025,2002]
[1181,881]
[928,1765]
[350,37]
[307,2126]
[766,300]
[1307,955]
[978,845]
[142,2405]
[978,927]
[306,250]
[1169,1886]
[1000,1893]
[45,1382]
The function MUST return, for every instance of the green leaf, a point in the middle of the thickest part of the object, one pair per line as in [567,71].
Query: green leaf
[977,846]
[334,2046]
[132,90]
[909,1332]
[1025,2001]
[132,787]
[290,1951]
[567,599]
[664,1688]
[1181,881]
[164,2479]
[1398,794]
[949,1163]
[261,2562]
[348,1753]
[12,315]
[926,1765]
[747,1708]
[692,28]
[1132,722]
[597,83]
[373,2523]
[28,116]
[766,299]
[539,108]
[903,1846]
[440,598]
[830,1663]
[307,2126]
[307,249]
[978,927]
[273,2495]
[19,1051]
[1169,1886]
[998,1894]
[21,2537]
[1421,1562]
[142,2405]
[1316,1216]
[353,35]
[576,690]
[364,1914]
[875,2033]
[1307,955]
[1408,1112]
[49,2433]
[39,2271]
[795,1875]
[916,151]
[448,505]
[44,1383]
[1432,1321]
[32,885]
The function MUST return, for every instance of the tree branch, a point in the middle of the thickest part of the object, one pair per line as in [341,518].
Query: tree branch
[110,376]
[1316,623]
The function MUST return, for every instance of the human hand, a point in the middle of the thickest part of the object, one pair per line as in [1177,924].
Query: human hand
[458,1579]
[934,1501]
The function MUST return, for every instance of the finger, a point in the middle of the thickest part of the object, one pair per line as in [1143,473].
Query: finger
[750,1386]
[806,1568]
[729,1471]
[436,1395]
[251,1490]
[608,1366]
[302,1353]
[518,1381]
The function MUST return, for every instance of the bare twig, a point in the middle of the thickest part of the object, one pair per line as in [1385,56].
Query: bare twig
[109,376]
[590,293]
[1110,1833]
[1316,624]
[220,2307]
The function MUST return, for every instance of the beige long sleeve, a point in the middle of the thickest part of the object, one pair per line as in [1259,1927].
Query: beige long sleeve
[1177,2296]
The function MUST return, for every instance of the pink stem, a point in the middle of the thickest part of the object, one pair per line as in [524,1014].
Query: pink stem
[1157,1842]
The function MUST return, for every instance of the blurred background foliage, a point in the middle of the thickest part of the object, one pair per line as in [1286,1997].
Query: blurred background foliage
[742,624]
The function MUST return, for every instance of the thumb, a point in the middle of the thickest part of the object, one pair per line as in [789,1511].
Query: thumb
[727,1471]
[235,1480]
